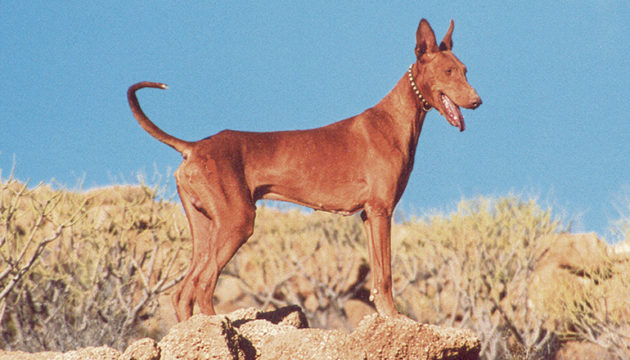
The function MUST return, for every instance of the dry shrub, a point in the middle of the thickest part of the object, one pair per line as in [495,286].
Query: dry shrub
[504,269]
[83,269]
[471,269]
[79,269]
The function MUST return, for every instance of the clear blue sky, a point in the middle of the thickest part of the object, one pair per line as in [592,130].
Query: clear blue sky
[554,77]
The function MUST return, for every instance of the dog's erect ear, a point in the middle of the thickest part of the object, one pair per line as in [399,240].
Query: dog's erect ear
[425,39]
[447,42]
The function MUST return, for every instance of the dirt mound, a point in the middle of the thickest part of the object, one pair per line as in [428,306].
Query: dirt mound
[284,334]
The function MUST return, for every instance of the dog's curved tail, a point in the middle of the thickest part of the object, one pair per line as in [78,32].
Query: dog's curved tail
[182,146]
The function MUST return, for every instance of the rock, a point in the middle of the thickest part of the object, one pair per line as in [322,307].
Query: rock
[375,338]
[201,337]
[378,337]
[578,254]
[250,334]
[568,265]
[143,349]
[291,343]
[282,334]
[356,310]
[20,355]
[101,353]
[289,315]
[89,353]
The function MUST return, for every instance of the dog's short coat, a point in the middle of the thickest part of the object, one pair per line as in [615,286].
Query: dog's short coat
[359,164]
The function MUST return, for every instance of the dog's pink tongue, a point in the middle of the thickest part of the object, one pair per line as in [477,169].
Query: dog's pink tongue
[453,114]
[462,125]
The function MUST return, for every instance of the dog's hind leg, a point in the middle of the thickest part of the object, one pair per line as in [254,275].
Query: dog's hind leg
[201,229]
[231,229]
[221,216]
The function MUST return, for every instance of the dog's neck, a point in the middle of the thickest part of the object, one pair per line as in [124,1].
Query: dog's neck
[425,105]
[405,108]
[399,116]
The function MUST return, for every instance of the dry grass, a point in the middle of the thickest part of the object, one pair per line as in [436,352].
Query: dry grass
[80,269]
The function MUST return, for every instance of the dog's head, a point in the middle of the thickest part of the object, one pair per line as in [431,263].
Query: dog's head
[442,77]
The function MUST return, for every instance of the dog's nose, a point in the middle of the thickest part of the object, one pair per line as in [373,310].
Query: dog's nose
[475,103]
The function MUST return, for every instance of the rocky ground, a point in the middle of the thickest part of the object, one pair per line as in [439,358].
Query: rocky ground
[284,334]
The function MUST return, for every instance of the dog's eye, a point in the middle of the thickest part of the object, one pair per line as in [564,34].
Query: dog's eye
[449,71]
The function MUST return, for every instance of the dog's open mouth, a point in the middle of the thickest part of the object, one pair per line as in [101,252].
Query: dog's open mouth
[452,113]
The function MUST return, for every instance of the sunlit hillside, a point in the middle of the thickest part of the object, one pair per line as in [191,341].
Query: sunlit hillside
[92,268]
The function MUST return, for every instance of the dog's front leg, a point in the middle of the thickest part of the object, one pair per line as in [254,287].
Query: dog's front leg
[377,224]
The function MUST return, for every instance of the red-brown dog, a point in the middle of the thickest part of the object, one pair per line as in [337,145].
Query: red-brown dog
[359,164]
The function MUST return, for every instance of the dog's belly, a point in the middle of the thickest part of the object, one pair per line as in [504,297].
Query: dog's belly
[345,199]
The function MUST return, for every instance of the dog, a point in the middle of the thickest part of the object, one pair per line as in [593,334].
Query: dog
[361,164]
